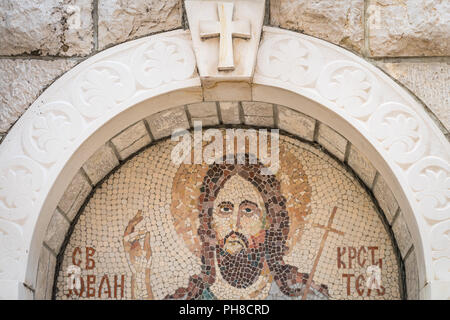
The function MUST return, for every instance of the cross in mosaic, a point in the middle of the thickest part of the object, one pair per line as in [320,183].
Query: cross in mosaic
[328,228]
[226,29]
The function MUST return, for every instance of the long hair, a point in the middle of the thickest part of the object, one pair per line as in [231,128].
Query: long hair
[276,233]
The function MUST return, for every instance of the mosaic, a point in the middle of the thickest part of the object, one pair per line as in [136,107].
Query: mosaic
[156,230]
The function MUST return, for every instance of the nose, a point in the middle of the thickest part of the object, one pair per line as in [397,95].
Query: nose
[238,221]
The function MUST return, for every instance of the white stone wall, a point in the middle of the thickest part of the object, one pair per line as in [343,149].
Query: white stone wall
[40,40]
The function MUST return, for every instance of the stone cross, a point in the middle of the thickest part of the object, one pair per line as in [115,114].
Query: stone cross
[225,29]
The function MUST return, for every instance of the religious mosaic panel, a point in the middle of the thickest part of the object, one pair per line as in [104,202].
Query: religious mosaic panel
[155,229]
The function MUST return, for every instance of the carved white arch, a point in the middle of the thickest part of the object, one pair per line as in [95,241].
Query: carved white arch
[124,84]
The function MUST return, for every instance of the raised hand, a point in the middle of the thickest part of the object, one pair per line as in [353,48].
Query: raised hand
[139,254]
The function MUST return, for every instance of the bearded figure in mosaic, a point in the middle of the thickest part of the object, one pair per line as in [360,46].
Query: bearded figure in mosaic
[243,229]
[225,229]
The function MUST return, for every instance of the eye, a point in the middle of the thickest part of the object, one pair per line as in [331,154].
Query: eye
[226,208]
[248,208]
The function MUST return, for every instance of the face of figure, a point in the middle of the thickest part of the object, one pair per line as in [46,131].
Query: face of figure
[238,221]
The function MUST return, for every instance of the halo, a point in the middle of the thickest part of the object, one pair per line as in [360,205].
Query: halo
[186,191]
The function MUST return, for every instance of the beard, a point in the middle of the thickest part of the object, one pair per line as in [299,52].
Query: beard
[240,268]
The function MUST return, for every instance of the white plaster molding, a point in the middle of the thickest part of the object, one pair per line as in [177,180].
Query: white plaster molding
[401,140]
[116,88]
[36,155]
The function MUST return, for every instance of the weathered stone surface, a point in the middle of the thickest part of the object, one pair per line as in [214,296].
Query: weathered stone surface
[430,81]
[74,196]
[45,275]
[100,163]
[56,231]
[385,198]
[164,123]
[21,82]
[206,112]
[337,21]
[332,141]
[227,91]
[409,27]
[258,114]
[131,140]
[296,123]
[51,27]
[412,277]
[402,234]
[362,166]
[119,20]
[230,112]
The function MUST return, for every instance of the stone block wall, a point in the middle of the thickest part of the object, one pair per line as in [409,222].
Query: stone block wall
[40,40]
